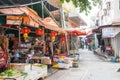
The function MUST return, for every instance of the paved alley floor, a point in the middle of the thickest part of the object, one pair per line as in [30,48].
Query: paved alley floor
[91,67]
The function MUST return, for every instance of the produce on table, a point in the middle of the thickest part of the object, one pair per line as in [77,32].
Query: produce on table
[24,74]
[41,65]
[12,72]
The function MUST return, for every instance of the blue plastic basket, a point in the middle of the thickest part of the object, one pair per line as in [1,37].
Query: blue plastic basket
[113,59]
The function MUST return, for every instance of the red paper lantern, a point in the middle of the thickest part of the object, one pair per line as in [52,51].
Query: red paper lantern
[25,30]
[53,34]
[39,32]
[63,38]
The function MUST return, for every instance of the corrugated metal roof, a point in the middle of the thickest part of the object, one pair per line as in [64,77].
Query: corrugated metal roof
[14,3]
[56,3]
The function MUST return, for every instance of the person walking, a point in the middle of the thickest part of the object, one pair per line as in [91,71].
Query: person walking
[89,41]
[92,44]
[86,44]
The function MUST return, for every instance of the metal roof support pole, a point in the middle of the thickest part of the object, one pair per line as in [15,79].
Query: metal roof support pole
[19,36]
[43,37]
[51,44]
[62,18]
[67,43]
[51,15]
[64,26]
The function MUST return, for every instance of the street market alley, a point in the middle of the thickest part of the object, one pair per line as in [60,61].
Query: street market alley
[91,67]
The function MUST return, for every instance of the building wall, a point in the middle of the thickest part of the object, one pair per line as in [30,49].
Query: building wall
[114,47]
[115,10]
[109,14]
[117,38]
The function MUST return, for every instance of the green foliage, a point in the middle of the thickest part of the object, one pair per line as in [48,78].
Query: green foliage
[67,0]
[84,5]
[61,1]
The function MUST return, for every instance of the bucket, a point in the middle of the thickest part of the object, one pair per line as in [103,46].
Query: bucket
[113,59]
[75,64]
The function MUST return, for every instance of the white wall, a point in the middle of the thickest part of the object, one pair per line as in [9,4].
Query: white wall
[118,46]
[114,47]
[113,15]
[115,10]
[115,44]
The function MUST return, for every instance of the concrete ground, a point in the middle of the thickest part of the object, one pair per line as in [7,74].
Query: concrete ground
[91,67]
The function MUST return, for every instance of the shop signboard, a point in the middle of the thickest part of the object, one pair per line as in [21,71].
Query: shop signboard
[110,32]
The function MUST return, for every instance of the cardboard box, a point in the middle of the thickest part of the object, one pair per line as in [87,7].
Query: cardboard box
[20,66]
[46,61]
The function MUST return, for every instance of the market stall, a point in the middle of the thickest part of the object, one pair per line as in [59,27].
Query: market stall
[20,49]
[29,50]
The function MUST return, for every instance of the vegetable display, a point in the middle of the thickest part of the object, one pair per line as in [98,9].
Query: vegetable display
[40,65]
[12,72]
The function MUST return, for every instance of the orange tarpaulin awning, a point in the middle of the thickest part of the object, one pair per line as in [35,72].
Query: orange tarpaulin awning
[76,33]
[48,22]
[19,11]
[17,20]
[90,31]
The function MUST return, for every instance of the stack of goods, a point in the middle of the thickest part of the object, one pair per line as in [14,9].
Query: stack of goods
[46,60]
[60,56]
[65,62]
[20,66]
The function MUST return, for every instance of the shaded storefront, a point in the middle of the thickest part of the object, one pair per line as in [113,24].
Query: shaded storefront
[110,36]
